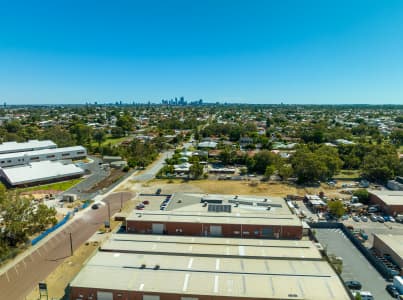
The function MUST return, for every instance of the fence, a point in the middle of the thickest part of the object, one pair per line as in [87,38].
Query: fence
[378,265]
[51,229]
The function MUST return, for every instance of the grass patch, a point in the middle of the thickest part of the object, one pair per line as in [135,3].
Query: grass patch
[111,140]
[348,175]
[59,186]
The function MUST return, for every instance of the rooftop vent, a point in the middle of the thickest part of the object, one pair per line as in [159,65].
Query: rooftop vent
[156,267]
[269,207]
[143,266]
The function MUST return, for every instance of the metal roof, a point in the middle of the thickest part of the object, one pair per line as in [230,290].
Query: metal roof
[8,147]
[210,246]
[215,218]
[39,171]
[42,151]
[393,241]
[389,197]
[227,277]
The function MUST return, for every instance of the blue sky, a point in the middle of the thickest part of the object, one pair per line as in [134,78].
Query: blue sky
[315,52]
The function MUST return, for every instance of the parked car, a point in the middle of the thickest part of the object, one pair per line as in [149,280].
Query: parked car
[365,295]
[392,290]
[356,218]
[392,219]
[345,217]
[140,206]
[380,219]
[353,285]
[373,218]
[146,202]
[373,209]
[364,219]
[158,192]
[95,206]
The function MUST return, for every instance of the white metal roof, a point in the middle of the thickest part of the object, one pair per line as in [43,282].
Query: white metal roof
[8,147]
[39,171]
[42,151]
[225,277]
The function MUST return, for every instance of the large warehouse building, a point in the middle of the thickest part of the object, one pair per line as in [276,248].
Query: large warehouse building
[31,145]
[39,173]
[21,158]
[218,215]
[165,274]
[391,202]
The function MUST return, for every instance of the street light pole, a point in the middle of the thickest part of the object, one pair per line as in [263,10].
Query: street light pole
[121,200]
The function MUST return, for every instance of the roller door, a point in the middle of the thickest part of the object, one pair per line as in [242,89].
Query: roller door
[151,297]
[215,230]
[104,295]
[267,232]
[158,228]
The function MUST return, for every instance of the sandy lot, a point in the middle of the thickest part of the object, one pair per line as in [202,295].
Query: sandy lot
[228,187]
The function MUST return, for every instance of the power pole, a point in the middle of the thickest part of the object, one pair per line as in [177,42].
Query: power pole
[121,200]
[109,212]
[71,244]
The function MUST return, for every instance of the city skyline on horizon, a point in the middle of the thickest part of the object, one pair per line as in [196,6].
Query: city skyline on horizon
[267,52]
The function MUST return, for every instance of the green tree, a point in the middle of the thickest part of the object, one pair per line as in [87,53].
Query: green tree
[285,171]
[336,208]
[99,136]
[362,195]
[269,171]
[196,170]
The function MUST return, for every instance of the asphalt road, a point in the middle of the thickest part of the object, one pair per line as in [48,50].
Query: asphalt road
[150,172]
[97,175]
[355,265]
[19,280]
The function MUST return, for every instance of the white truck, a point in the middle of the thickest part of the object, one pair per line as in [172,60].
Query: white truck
[398,283]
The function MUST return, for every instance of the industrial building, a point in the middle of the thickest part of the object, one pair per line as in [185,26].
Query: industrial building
[31,145]
[390,246]
[219,215]
[159,271]
[21,158]
[211,246]
[391,202]
[39,173]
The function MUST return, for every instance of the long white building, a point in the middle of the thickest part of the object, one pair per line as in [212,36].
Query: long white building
[39,172]
[22,158]
[31,145]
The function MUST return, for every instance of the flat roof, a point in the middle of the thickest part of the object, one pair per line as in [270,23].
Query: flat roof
[39,171]
[42,151]
[215,218]
[210,246]
[246,203]
[389,197]
[8,147]
[393,241]
[227,277]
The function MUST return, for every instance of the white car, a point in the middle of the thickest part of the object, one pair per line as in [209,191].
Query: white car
[356,218]
[364,219]
[392,219]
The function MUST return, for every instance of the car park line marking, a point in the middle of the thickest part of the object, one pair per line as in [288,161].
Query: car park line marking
[25,265]
[16,271]
[8,278]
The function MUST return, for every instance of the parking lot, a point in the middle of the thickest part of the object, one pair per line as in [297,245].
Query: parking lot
[355,265]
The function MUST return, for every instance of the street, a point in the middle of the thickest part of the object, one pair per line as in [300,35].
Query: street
[23,276]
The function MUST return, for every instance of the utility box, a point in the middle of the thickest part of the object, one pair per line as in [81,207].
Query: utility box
[69,197]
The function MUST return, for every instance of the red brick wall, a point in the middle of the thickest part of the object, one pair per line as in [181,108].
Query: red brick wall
[86,292]
[391,210]
[228,230]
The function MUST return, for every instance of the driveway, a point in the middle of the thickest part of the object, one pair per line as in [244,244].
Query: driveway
[355,265]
